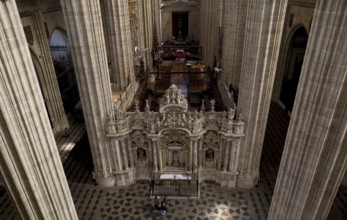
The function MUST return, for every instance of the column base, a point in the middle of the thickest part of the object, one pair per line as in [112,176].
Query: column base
[224,178]
[105,181]
[125,178]
[127,97]
[248,179]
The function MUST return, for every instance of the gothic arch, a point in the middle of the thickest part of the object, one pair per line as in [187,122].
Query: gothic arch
[175,146]
[163,131]
[62,60]
[285,55]
[63,32]
[58,38]
[179,135]
[291,74]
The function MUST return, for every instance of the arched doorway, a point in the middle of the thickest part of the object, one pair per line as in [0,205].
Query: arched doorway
[287,79]
[63,66]
[295,57]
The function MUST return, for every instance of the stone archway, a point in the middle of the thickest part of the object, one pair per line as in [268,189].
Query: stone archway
[176,151]
[61,56]
[292,70]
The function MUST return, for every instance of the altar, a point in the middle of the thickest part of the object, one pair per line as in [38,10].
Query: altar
[174,148]
[175,176]
[175,185]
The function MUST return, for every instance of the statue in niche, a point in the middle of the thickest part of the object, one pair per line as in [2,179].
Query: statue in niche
[175,159]
[209,154]
[141,154]
[231,114]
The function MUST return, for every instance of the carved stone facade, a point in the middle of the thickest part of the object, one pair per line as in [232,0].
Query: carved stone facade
[204,145]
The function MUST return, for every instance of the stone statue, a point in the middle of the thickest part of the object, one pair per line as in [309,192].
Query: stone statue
[209,154]
[175,159]
[141,154]
[231,114]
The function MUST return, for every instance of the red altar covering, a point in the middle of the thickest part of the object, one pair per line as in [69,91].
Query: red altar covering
[179,53]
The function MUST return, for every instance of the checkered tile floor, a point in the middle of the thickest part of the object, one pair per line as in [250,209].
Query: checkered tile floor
[133,202]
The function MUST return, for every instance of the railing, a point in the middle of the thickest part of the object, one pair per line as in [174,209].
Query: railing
[175,188]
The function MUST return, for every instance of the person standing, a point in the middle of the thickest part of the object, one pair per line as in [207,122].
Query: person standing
[156,203]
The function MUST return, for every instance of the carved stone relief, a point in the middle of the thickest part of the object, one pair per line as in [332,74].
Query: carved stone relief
[177,140]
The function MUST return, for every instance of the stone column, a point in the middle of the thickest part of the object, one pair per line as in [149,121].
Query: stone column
[141,31]
[116,160]
[48,79]
[189,160]
[234,156]
[84,26]
[314,158]
[160,157]
[195,155]
[155,155]
[118,30]
[156,16]
[124,154]
[131,158]
[234,18]
[231,156]
[264,24]
[200,156]
[226,155]
[148,30]
[221,152]
[30,165]
[209,29]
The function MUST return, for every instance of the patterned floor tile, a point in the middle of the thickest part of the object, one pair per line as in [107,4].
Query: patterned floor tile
[133,202]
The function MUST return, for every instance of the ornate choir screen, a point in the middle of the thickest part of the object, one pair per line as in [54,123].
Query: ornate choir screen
[150,145]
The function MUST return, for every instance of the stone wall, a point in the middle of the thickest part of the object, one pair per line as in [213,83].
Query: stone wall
[193,19]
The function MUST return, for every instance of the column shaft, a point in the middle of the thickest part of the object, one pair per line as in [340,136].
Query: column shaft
[124,154]
[195,156]
[190,157]
[314,158]
[147,5]
[221,153]
[131,158]
[84,25]
[200,156]
[226,155]
[30,165]
[231,157]
[118,156]
[264,24]
[48,79]
[205,30]
[141,32]
[234,17]
[118,29]
[116,165]
[155,156]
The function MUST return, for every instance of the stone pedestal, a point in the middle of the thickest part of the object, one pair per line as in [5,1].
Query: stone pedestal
[105,181]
